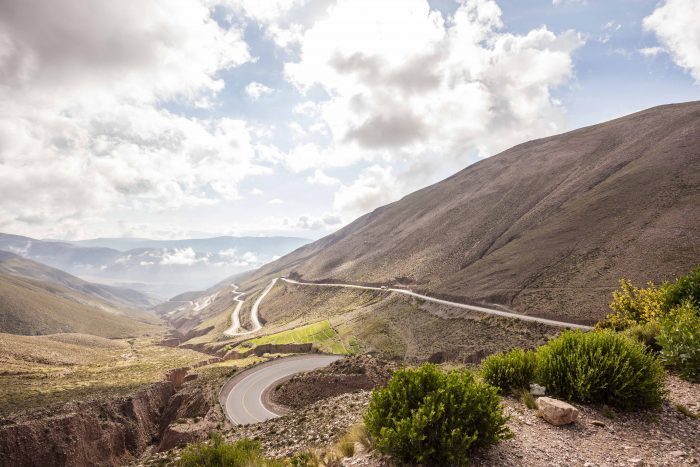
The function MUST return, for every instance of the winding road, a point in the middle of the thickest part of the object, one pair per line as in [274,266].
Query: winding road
[234,330]
[481,309]
[242,396]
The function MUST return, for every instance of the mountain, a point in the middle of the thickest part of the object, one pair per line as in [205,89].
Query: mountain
[161,268]
[547,227]
[260,245]
[16,265]
[32,307]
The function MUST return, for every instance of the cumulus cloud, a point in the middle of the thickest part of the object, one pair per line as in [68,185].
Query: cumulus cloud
[651,51]
[320,178]
[675,23]
[84,129]
[256,90]
[307,222]
[407,86]
[181,257]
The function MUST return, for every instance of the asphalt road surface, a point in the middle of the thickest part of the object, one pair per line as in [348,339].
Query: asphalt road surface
[241,396]
[481,309]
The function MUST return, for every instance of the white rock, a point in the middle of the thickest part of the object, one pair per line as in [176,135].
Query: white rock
[557,412]
[537,390]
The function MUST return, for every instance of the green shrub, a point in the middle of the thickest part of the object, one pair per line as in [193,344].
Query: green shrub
[426,416]
[686,288]
[633,305]
[646,333]
[509,371]
[218,453]
[601,366]
[679,338]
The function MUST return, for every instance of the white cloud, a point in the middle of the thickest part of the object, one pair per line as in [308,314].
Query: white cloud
[256,90]
[83,129]
[407,86]
[275,201]
[675,23]
[650,51]
[257,192]
[181,257]
[307,222]
[319,178]
[569,2]
[375,186]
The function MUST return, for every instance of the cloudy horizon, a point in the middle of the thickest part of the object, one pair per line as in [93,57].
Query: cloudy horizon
[202,118]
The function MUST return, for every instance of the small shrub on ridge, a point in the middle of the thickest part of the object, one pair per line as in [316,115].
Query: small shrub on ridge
[679,338]
[509,371]
[429,417]
[601,367]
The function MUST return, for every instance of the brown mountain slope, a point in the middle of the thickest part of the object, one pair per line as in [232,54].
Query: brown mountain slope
[547,227]
[32,307]
[16,265]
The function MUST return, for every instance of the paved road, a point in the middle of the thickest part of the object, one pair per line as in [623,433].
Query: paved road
[481,309]
[235,329]
[236,314]
[241,396]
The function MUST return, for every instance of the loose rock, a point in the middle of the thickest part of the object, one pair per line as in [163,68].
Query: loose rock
[557,412]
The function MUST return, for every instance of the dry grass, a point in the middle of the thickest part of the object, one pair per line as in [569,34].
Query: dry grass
[41,370]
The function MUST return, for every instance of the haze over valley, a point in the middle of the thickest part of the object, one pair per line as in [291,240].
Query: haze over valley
[349,233]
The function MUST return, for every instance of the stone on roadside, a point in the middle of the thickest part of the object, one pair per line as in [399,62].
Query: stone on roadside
[537,390]
[557,412]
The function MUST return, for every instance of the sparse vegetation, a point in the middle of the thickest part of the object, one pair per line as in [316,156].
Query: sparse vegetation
[218,453]
[601,367]
[427,416]
[320,334]
[686,411]
[528,399]
[64,367]
[509,371]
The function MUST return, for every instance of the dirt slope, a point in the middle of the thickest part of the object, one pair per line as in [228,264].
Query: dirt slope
[547,227]
[32,307]
[16,265]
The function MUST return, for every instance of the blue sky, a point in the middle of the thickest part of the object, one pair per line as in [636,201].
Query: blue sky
[293,117]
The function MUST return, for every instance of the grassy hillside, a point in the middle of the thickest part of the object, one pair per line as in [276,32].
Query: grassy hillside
[547,227]
[36,371]
[31,307]
[17,266]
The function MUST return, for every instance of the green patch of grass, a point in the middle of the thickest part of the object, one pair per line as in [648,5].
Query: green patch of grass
[528,399]
[217,452]
[320,334]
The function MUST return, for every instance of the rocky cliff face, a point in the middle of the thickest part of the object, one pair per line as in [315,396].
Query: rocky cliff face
[111,432]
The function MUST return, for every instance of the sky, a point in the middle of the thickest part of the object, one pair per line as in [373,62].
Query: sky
[199,118]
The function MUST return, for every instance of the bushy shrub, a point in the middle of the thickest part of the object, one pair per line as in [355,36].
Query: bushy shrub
[509,371]
[679,338]
[633,305]
[601,366]
[218,453]
[646,333]
[426,416]
[686,288]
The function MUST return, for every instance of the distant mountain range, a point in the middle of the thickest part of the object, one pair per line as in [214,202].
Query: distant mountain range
[159,268]
[547,227]
[38,299]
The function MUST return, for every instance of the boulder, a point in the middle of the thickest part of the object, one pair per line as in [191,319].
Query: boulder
[557,412]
